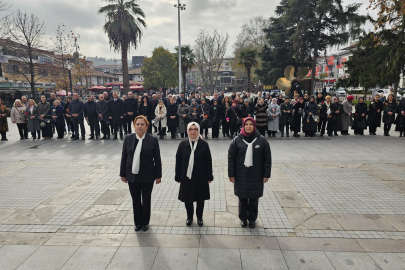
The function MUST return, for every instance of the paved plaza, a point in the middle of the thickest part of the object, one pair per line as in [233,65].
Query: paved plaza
[331,203]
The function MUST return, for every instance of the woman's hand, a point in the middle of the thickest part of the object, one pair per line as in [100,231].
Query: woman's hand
[124,179]
[363,114]
[42,117]
[32,117]
[209,182]
[310,114]
[232,179]
[265,180]
[158,181]
[13,122]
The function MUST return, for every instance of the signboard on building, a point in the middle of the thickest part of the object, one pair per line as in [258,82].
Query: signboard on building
[45,61]
[3,59]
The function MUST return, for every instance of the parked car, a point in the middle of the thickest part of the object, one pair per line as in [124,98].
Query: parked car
[340,92]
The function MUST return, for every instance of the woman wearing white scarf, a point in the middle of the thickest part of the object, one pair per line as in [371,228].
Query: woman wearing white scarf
[141,166]
[161,120]
[249,167]
[194,172]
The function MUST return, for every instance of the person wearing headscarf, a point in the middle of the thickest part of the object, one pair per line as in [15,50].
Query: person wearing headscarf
[43,111]
[216,112]
[194,173]
[347,115]
[328,115]
[249,167]
[172,117]
[195,111]
[141,166]
[337,111]
[320,100]
[183,112]
[225,124]
[286,117]
[390,108]
[260,112]
[374,115]
[232,116]
[19,117]
[3,121]
[161,120]
[247,110]
[309,120]
[359,124]
[206,121]
[298,112]
[280,100]
[400,121]
[273,113]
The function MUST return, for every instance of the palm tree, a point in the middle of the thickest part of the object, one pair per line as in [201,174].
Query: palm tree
[124,20]
[187,61]
[248,59]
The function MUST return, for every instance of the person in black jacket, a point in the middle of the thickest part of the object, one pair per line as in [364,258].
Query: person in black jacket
[359,124]
[116,112]
[206,118]
[141,166]
[145,109]
[194,172]
[374,115]
[103,117]
[172,117]
[232,115]
[130,109]
[286,109]
[249,167]
[337,111]
[69,123]
[90,113]
[309,123]
[247,109]
[297,117]
[400,121]
[328,113]
[216,112]
[180,99]
[390,108]
[76,114]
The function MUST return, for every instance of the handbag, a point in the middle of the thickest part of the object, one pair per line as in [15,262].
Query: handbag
[361,124]
[238,120]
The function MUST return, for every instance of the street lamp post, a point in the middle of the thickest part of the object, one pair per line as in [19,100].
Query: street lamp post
[179,7]
[70,76]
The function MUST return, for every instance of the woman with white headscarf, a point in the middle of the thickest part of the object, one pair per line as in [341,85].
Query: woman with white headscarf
[194,172]
[273,113]
[249,167]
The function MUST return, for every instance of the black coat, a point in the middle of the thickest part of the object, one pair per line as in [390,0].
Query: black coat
[374,117]
[130,105]
[217,114]
[337,124]
[246,110]
[284,116]
[206,117]
[196,188]
[172,111]
[400,121]
[150,165]
[389,107]
[297,117]
[249,181]
[116,110]
[232,114]
[360,108]
[146,111]
[324,112]
[89,109]
[309,125]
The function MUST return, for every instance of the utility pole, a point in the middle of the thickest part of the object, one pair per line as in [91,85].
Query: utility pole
[179,7]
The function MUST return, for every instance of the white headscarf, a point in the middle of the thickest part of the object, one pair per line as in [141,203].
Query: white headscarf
[137,154]
[193,147]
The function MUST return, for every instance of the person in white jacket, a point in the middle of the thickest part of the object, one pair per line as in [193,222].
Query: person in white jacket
[18,117]
[161,119]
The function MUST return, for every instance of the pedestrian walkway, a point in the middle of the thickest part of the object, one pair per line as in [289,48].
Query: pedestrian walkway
[330,204]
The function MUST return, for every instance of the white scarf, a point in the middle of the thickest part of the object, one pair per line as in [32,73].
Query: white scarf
[328,111]
[137,155]
[249,153]
[191,160]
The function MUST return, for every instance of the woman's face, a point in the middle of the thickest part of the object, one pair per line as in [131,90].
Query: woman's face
[18,104]
[328,99]
[145,100]
[280,96]
[312,99]
[361,100]
[193,132]
[273,101]
[249,127]
[31,103]
[194,102]
[301,101]
[336,100]
[306,96]
[140,126]
[390,98]
[377,98]
[43,99]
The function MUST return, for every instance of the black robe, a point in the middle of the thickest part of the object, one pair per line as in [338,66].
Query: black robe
[400,121]
[297,117]
[309,124]
[360,108]
[374,117]
[172,111]
[389,107]
[337,124]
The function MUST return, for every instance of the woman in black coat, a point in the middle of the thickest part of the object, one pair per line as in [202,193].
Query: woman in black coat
[172,117]
[374,115]
[309,124]
[390,108]
[249,167]
[232,115]
[359,123]
[298,112]
[146,109]
[337,108]
[194,172]
[224,110]
[141,166]
[400,121]
[328,114]
[216,112]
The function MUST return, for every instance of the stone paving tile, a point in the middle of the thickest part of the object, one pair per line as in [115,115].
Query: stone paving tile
[216,258]
[133,258]
[257,259]
[176,258]
[90,257]
[351,260]
[388,261]
[307,260]
[13,255]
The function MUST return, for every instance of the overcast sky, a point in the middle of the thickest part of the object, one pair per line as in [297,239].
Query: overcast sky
[161,17]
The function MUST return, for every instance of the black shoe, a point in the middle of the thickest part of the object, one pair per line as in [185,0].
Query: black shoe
[83,138]
[200,222]
[91,138]
[121,137]
[72,137]
[97,137]
[252,224]
[306,135]
[189,221]
[145,228]
[38,138]
[108,137]
[282,135]
[243,224]
[321,135]
[336,134]
[59,138]
[330,135]
[4,140]
[103,138]
[115,138]
[288,135]
[75,138]
[24,139]
[206,137]
[138,228]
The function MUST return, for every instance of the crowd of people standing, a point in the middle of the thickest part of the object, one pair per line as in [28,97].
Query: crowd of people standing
[111,116]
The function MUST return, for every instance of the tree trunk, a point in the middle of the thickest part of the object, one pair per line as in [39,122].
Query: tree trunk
[125,76]
[315,58]
[248,77]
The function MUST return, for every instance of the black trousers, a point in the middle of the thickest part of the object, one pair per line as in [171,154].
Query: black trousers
[372,128]
[387,128]
[322,124]
[34,134]
[287,129]
[204,130]
[3,135]
[215,129]
[127,123]
[60,131]
[199,211]
[162,131]
[94,126]
[330,127]
[225,128]
[117,126]
[232,128]
[23,130]
[76,123]
[262,130]
[248,209]
[105,128]
[173,131]
[141,196]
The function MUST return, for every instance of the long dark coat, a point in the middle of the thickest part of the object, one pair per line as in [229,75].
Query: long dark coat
[216,112]
[400,121]
[284,116]
[337,124]
[3,119]
[389,107]
[102,108]
[150,165]
[309,125]
[116,110]
[374,117]
[197,188]
[297,117]
[232,114]
[130,105]
[146,111]
[360,108]
[249,180]
[195,108]
[59,121]
[206,112]
[172,111]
